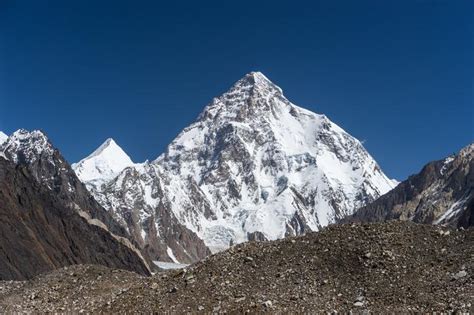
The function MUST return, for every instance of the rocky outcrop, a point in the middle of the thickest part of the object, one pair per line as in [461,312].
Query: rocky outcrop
[41,230]
[442,193]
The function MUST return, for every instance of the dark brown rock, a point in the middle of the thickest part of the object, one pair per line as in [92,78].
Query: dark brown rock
[41,229]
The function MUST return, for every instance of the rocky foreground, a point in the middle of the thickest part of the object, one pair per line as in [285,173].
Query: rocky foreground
[383,267]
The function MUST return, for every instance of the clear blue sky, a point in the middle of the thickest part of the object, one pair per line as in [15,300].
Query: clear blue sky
[396,74]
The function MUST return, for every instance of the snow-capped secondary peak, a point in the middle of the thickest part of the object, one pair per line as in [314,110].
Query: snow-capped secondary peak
[3,137]
[25,136]
[26,146]
[109,145]
[103,164]
[34,150]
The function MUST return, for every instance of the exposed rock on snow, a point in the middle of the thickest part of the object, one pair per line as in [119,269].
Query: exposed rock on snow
[26,147]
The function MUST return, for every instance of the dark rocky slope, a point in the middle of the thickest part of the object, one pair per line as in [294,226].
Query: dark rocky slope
[40,230]
[34,151]
[384,267]
[442,193]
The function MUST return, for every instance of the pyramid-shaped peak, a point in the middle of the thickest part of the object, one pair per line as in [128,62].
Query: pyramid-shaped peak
[256,80]
[256,77]
[109,142]
[252,90]
[111,147]
[105,162]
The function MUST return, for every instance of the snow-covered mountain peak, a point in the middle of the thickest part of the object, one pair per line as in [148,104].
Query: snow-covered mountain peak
[248,96]
[103,164]
[252,166]
[256,78]
[256,84]
[26,135]
[3,137]
[34,150]
[108,146]
[257,163]
[26,146]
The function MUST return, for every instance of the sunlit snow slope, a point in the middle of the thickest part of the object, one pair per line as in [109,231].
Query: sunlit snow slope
[3,137]
[103,164]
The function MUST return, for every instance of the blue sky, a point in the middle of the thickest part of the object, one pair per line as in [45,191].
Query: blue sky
[396,74]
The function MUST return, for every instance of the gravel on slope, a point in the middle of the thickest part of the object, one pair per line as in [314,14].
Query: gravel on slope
[382,267]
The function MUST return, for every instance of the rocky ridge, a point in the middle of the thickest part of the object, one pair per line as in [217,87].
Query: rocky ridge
[442,193]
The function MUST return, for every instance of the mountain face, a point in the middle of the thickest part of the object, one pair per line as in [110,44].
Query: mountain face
[49,219]
[132,196]
[46,164]
[442,193]
[40,232]
[253,166]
